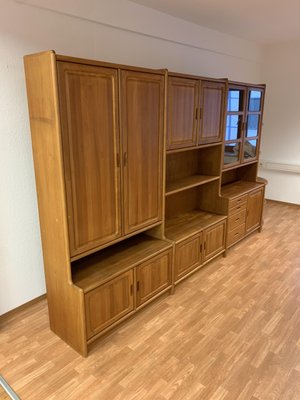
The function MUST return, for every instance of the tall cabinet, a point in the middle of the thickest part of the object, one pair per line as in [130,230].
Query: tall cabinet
[98,144]
[143,176]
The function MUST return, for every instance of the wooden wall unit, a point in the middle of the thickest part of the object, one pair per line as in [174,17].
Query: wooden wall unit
[132,188]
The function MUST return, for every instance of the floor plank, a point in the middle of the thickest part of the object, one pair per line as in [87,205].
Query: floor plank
[230,332]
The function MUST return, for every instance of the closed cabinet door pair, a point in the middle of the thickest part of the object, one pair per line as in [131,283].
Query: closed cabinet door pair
[112,151]
[195,112]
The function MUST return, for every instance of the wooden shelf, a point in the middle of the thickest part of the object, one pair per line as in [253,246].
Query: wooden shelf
[237,188]
[187,224]
[188,182]
[201,146]
[96,269]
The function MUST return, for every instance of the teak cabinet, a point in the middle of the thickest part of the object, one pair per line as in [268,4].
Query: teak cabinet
[138,183]
[195,111]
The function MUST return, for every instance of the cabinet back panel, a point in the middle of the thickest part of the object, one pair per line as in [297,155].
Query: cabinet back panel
[88,97]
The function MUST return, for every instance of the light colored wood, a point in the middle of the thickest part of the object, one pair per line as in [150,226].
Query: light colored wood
[142,122]
[214,240]
[187,224]
[188,182]
[236,189]
[237,203]
[108,303]
[187,255]
[153,276]
[101,267]
[182,128]
[212,98]
[254,209]
[235,234]
[89,118]
[231,330]
[236,219]
[65,301]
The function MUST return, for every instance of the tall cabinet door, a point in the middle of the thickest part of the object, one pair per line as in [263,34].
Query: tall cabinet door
[90,138]
[142,122]
[212,112]
[254,209]
[182,112]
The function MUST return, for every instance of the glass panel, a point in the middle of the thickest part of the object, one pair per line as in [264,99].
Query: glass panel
[254,100]
[233,127]
[252,125]
[250,149]
[235,100]
[232,152]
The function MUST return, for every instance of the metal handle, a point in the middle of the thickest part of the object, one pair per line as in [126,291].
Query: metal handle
[131,289]
[125,159]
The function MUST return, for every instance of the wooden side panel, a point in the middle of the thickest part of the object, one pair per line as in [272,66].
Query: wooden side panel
[214,240]
[212,115]
[66,305]
[254,209]
[153,276]
[89,110]
[182,112]
[108,303]
[187,255]
[142,122]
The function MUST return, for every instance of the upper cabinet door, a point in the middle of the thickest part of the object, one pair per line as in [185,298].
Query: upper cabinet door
[89,108]
[182,112]
[142,122]
[212,98]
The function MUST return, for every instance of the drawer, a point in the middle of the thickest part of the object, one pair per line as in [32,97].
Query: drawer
[236,219]
[236,234]
[237,204]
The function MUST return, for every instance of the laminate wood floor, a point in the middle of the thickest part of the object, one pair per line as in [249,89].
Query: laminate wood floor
[230,332]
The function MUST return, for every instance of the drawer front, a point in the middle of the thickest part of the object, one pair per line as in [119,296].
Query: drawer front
[236,234]
[237,204]
[153,276]
[108,303]
[187,255]
[236,219]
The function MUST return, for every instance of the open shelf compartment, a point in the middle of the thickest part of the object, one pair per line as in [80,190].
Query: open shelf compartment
[98,268]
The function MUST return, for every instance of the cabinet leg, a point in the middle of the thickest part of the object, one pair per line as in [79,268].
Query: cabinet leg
[225,253]
[172,290]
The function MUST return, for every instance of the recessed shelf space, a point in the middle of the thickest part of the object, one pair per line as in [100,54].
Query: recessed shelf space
[246,172]
[188,182]
[237,188]
[98,268]
[189,169]
[188,223]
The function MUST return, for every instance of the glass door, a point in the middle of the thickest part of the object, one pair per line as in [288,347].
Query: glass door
[253,124]
[234,126]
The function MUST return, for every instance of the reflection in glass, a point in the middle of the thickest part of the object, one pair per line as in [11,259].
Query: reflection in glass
[233,130]
[235,100]
[254,100]
[232,152]
[250,149]
[252,125]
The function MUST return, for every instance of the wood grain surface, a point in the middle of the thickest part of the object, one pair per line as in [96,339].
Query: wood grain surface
[230,332]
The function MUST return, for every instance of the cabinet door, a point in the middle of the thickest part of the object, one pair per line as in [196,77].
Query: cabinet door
[142,125]
[212,98]
[254,209]
[187,255]
[153,276]
[108,303]
[213,240]
[89,108]
[182,112]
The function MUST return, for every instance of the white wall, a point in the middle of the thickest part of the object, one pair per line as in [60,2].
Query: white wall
[281,131]
[111,30]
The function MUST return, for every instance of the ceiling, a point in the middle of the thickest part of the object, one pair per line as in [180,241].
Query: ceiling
[262,21]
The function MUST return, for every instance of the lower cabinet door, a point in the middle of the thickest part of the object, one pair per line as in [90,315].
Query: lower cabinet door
[254,209]
[213,240]
[153,276]
[187,255]
[108,303]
